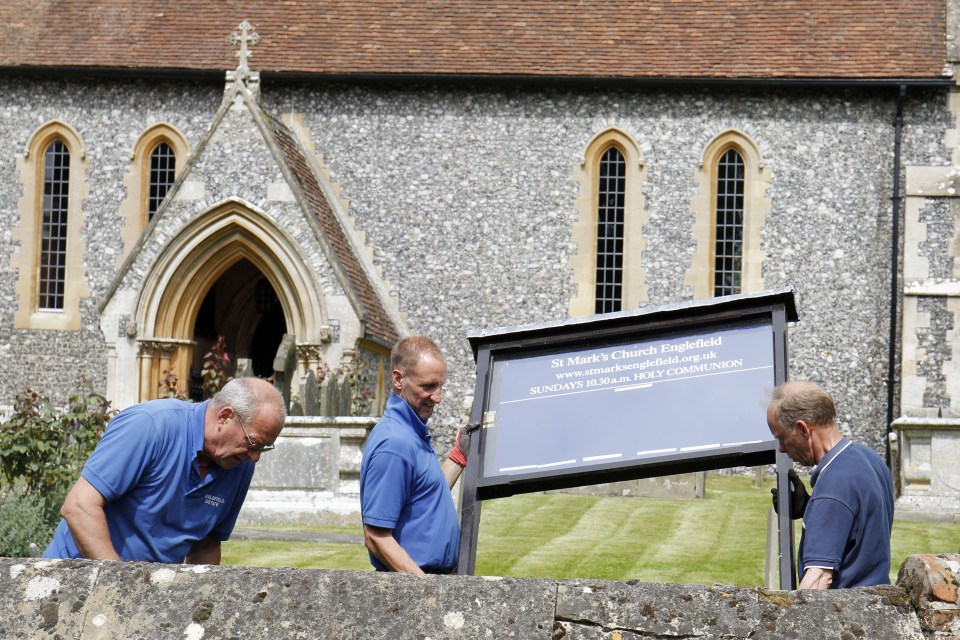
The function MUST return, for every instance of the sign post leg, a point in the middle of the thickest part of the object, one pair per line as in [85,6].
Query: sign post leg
[788,573]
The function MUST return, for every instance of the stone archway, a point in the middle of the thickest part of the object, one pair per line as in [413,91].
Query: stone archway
[225,253]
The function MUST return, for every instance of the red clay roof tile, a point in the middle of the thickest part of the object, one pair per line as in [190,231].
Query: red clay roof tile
[843,39]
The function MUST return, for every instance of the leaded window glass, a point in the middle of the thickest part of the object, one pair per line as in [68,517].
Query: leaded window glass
[610,214]
[728,249]
[53,229]
[162,163]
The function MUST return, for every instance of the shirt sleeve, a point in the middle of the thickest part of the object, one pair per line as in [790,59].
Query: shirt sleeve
[127,448]
[827,524]
[387,487]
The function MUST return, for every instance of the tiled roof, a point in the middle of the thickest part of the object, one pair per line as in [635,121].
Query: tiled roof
[841,39]
[376,320]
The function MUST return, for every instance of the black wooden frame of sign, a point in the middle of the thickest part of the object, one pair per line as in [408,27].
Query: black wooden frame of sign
[774,308]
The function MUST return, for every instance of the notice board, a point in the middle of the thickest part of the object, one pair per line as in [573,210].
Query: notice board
[649,392]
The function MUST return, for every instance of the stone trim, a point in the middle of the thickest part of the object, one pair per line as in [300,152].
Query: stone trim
[755,209]
[133,209]
[26,260]
[584,231]
[196,258]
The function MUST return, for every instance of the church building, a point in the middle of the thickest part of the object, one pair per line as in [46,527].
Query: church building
[346,172]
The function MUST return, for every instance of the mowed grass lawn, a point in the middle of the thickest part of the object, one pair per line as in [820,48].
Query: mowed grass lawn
[718,540]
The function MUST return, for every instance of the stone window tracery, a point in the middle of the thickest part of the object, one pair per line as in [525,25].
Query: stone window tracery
[162,173]
[729,212]
[728,225]
[51,279]
[609,234]
[53,227]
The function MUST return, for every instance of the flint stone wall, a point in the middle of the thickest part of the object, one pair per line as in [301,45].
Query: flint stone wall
[100,600]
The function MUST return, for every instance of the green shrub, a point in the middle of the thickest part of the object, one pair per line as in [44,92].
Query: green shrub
[24,518]
[43,448]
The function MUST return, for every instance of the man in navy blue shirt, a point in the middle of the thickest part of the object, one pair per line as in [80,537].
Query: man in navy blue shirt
[168,478]
[848,519]
[409,521]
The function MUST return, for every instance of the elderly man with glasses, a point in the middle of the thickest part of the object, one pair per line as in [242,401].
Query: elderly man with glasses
[166,481]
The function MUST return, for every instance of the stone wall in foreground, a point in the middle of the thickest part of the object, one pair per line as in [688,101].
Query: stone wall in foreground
[99,600]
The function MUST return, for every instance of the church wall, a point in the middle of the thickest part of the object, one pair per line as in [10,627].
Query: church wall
[467,198]
[109,117]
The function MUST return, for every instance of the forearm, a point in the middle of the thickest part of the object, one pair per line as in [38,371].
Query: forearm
[451,471]
[385,548]
[206,551]
[83,512]
[816,578]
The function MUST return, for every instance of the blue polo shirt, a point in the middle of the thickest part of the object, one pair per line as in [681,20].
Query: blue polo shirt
[848,521]
[403,488]
[146,469]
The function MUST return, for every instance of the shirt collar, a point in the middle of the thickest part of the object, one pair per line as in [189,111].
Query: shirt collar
[825,461]
[197,412]
[398,404]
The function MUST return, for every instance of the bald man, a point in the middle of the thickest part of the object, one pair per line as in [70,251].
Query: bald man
[848,519]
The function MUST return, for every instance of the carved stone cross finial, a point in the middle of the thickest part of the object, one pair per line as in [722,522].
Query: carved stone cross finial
[245,37]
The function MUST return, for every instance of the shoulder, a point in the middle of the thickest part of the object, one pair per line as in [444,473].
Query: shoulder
[392,436]
[153,411]
[860,458]
[160,422]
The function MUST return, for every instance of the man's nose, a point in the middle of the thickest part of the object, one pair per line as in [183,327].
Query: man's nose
[254,455]
[435,397]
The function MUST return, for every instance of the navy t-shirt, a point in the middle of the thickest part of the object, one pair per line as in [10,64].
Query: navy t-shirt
[847,523]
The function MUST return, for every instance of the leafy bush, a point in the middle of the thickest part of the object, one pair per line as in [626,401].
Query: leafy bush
[42,450]
[23,519]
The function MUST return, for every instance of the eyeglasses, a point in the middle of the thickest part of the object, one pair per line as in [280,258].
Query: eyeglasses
[251,445]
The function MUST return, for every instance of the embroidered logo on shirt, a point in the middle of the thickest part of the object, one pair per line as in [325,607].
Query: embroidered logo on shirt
[213,501]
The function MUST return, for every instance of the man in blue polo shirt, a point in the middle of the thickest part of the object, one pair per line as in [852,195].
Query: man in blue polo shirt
[166,481]
[848,519]
[409,521]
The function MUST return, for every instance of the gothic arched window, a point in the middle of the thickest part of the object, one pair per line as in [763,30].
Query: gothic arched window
[607,267]
[53,227]
[728,227]
[611,193]
[162,174]
[51,279]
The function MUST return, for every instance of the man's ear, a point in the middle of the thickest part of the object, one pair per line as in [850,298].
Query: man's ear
[804,427]
[223,415]
[397,380]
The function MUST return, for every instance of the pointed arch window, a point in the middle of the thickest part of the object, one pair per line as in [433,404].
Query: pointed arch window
[611,193]
[51,278]
[730,208]
[53,229]
[162,174]
[158,158]
[728,230]
[607,268]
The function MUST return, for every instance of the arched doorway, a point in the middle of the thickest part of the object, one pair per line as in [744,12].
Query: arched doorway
[244,310]
[233,273]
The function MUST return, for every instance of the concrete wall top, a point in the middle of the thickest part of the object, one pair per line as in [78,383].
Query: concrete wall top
[98,600]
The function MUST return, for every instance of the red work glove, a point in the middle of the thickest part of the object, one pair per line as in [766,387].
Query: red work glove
[459,455]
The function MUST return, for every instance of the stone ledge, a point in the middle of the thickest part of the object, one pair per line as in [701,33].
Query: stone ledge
[90,600]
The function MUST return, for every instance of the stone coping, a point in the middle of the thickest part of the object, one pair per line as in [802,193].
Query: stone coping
[85,599]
